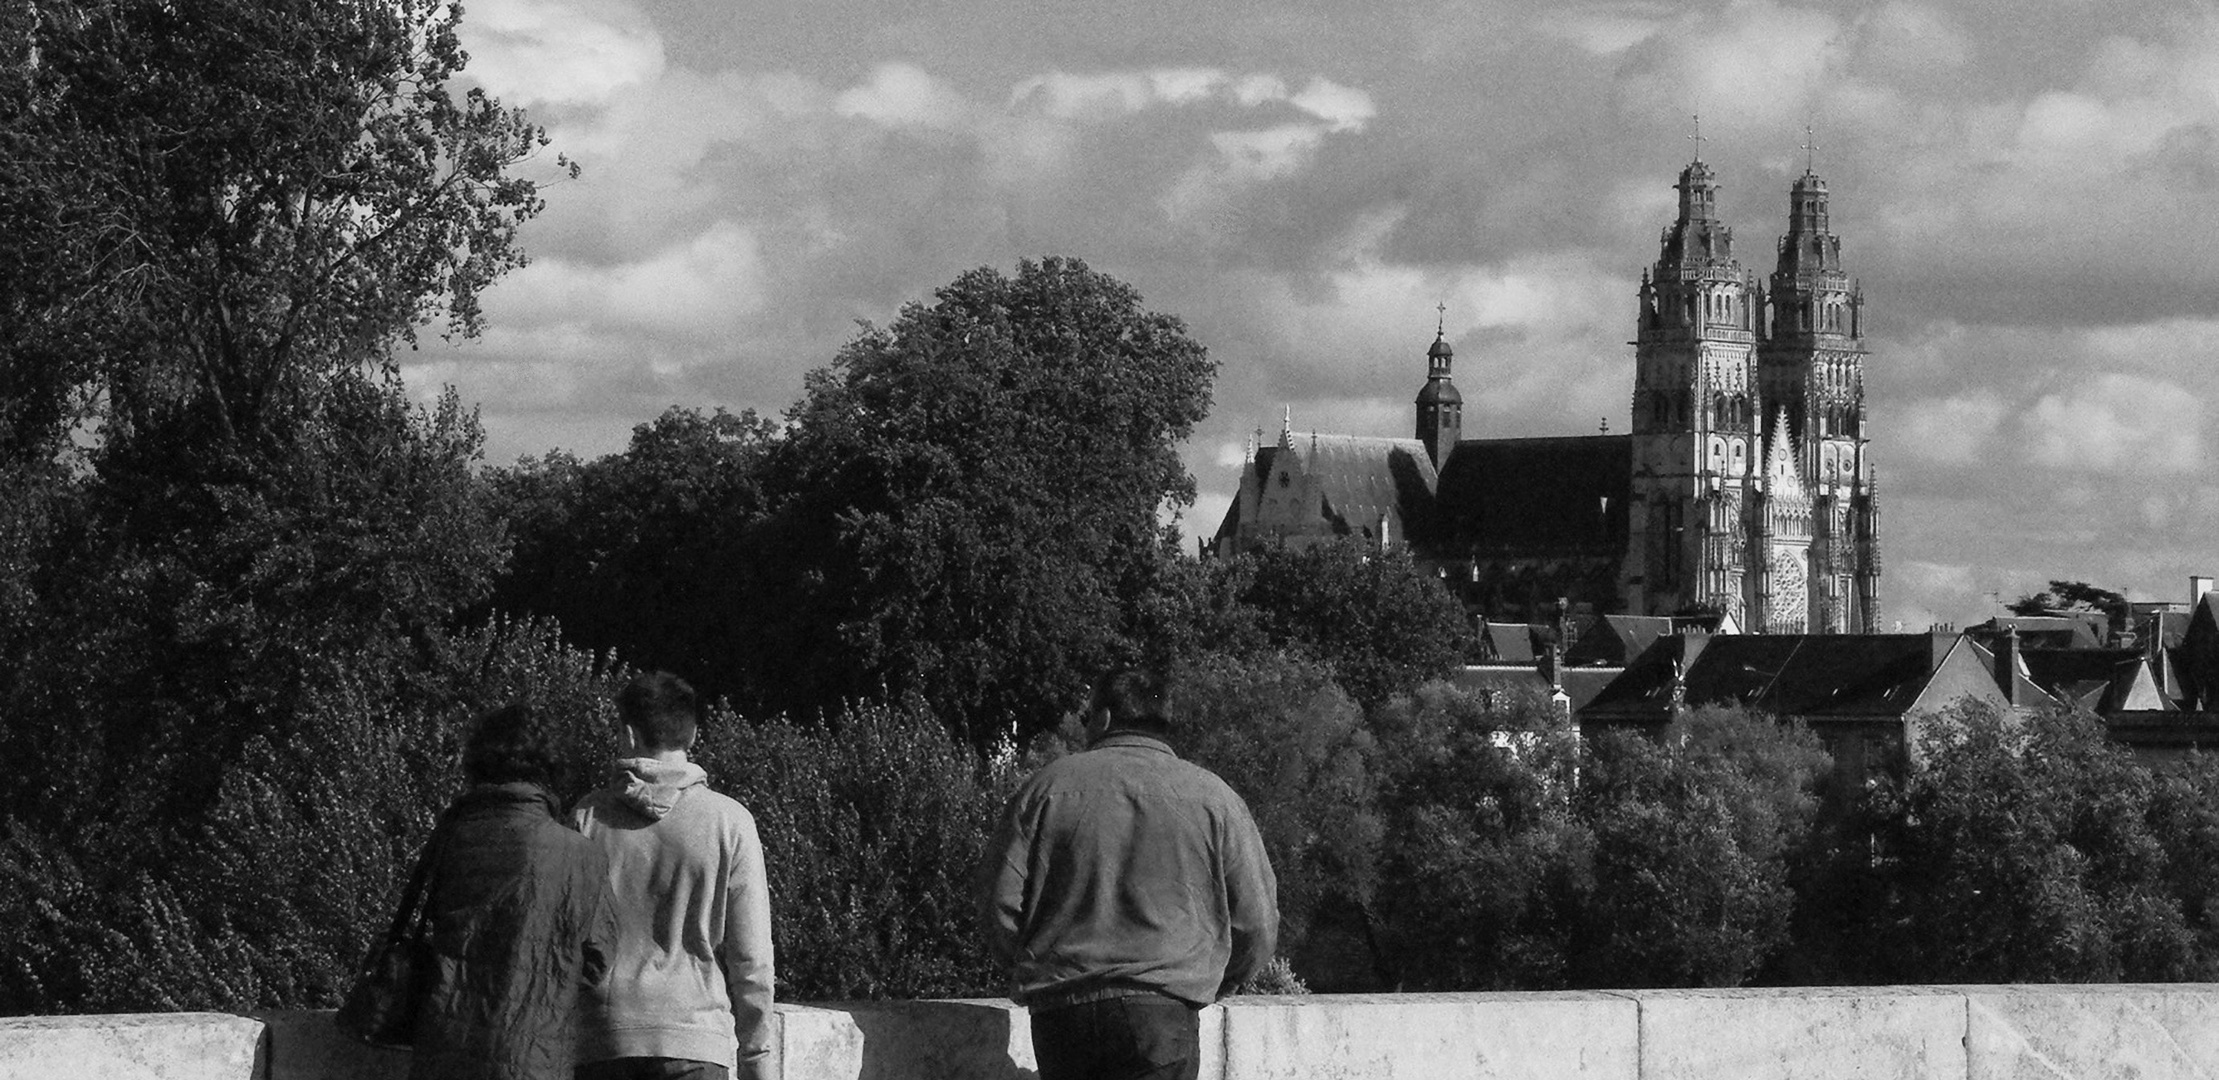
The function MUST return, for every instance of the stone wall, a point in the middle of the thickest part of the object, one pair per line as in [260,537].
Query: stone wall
[2146,1032]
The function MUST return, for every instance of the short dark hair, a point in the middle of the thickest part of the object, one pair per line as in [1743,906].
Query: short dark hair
[510,745]
[662,708]
[1138,699]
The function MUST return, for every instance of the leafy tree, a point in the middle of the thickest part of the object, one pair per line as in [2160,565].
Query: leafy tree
[1482,868]
[236,529]
[214,210]
[2073,596]
[224,218]
[2021,851]
[1292,744]
[1693,837]
[646,552]
[969,498]
[1383,625]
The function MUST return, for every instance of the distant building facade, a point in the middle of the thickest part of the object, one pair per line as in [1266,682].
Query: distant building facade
[1745,487]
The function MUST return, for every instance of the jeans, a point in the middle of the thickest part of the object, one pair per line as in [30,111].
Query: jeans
[650,1068]
[1144,1037]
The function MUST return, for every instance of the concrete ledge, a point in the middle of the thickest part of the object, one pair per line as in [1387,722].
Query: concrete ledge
[2148,1032]
[1573,1036]
[1804,1033]
[154,1046]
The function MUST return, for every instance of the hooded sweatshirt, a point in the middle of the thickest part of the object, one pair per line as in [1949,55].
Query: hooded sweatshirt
[690,974]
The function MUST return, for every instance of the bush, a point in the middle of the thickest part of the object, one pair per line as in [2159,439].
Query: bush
[1694,833]
[873,826]
[1283,735]
[2021,850]
[1482,869]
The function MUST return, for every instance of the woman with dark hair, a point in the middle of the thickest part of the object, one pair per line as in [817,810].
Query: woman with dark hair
[519,922]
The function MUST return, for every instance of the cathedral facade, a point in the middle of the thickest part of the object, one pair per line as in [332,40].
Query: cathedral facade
[1745,487]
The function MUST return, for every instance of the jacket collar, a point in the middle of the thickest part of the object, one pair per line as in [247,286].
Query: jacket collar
[520,795]
[1132,738]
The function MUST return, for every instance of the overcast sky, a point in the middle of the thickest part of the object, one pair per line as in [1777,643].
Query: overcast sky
[2027,190]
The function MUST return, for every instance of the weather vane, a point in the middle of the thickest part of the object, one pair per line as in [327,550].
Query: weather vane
[1810,151]
[1697,138]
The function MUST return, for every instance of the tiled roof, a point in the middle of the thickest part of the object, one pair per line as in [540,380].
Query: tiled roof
[2099,680]
[1580,684]
[1617,639]
[1363,477]
[1816,676]
[1511,643]
[1545,496]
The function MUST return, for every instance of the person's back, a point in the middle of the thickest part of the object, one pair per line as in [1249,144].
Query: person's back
[518,919]
[1126,889]
[688,991]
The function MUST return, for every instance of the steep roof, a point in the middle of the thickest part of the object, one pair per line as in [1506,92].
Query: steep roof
[1363,477]
[1813,676]
[1547,495]
[1510,643]
[1617,639]
[2099,680]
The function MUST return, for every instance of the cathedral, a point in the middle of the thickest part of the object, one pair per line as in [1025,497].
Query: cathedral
[1744,489]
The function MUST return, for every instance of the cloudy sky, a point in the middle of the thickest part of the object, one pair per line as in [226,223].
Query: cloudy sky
[2028,191]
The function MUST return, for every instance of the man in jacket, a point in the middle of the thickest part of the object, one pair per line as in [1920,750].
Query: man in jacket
[1125,890]
[688,993]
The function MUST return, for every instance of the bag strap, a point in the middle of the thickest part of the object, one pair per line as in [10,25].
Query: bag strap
[415,907]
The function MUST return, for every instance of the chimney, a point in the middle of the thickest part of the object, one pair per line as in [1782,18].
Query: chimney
[2007,665]
[2198,585]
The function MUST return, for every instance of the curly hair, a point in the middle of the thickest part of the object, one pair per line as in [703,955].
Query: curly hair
[510,745]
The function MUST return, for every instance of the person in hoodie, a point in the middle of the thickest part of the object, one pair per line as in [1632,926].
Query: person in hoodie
[688,994]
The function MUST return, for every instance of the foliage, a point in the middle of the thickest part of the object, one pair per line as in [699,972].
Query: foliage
[1482,867]
[1290,742]
[970,497]
[2021,850]
[183,618]
[873,827]
[216,211]
[646,552]
[1693,837]
[1382,624]
[269,899]
[2073,596]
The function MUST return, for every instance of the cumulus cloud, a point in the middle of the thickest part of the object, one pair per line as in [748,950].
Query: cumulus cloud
[2121,424]
[560,52]
[2019,197]
[1955,430]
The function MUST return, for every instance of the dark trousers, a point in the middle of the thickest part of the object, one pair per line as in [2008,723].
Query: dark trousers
[650,1068]
[1144,1037]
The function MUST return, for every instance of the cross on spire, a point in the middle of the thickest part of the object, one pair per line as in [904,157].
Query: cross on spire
[1441,325]
[1810,152]
[1697,138]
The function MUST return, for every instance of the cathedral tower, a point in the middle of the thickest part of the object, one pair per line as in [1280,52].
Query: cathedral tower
[1697,406]
[1440,407]
[1812,365]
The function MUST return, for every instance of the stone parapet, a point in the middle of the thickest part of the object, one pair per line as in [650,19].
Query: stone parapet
[2146,1032]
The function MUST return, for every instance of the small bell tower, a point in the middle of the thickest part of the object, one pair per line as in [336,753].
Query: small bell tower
[1440,406]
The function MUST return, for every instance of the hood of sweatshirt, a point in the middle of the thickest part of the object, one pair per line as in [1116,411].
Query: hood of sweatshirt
[652,787]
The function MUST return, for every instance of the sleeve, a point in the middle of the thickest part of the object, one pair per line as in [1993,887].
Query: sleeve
[1252,892]
[600,927]
[1001,881]
[746,954]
